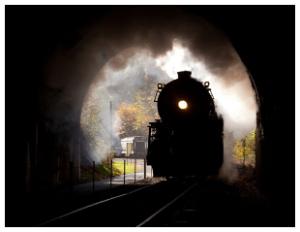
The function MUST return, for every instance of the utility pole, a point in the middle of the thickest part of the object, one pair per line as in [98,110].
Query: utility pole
[111,125]
[110,150]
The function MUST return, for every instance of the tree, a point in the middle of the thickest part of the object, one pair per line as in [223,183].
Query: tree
[244,149]
[129,114]
[135,116]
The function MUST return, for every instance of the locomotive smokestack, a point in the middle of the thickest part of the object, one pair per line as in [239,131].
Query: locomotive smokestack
[184,74]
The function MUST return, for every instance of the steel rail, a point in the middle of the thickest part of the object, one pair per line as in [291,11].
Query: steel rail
[167,205]
[91,205]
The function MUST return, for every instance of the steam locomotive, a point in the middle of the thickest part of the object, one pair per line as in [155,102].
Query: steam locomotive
[187,140]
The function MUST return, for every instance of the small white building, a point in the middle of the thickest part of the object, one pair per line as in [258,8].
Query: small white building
[135,146]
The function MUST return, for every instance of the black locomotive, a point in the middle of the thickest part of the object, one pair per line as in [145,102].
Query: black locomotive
[187,140]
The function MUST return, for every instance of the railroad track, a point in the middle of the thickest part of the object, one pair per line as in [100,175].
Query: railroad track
[187,202]
[166,206]
[135,208]
[73,212]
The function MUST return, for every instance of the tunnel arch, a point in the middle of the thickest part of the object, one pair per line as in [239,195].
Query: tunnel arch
[50,98]
[93,52]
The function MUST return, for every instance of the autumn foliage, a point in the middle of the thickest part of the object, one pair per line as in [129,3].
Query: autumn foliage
[134,117]
[244,150]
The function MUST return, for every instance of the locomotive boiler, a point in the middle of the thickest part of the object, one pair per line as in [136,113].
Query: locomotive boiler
[187,140]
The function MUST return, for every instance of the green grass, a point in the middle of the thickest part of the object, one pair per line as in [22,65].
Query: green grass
[118,168]
[102,171]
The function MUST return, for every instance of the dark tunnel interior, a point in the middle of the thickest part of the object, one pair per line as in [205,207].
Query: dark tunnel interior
[263,36]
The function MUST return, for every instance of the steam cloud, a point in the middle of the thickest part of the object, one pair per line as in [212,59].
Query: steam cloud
[73,73]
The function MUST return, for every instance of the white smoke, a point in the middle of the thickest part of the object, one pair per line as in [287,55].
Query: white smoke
[99,66]
[116,86]
[234,97]
[234,100]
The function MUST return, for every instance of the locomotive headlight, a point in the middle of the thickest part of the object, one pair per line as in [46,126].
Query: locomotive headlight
[182,104]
